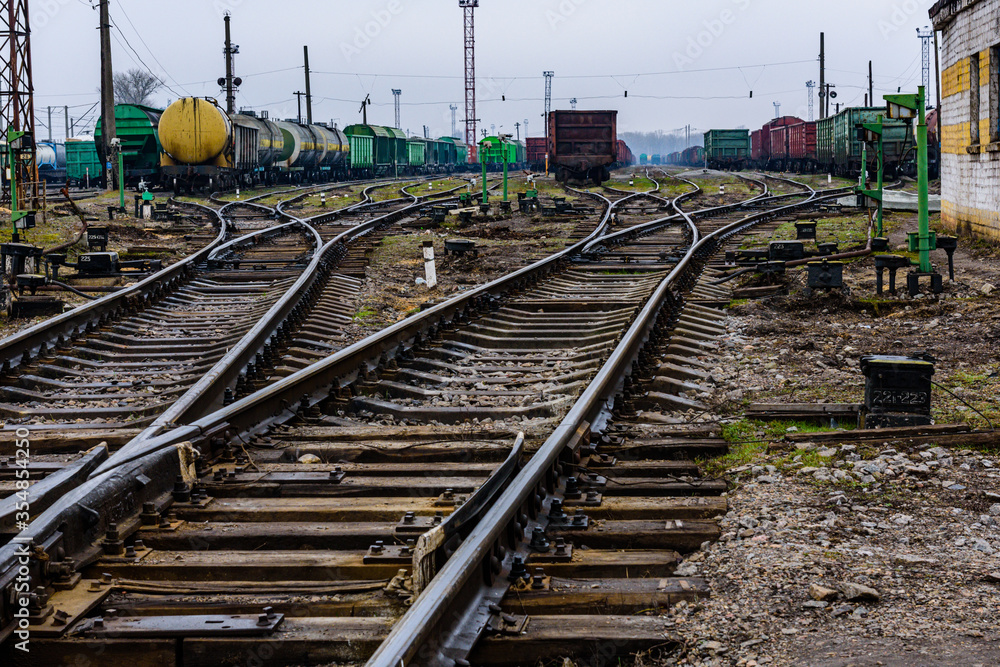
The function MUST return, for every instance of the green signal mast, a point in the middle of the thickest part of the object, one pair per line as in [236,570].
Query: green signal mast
[20,152]
[913,107]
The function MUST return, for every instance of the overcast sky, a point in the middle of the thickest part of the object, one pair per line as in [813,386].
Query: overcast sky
[681,62]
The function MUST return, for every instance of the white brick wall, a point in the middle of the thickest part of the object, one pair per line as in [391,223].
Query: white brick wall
[971,182]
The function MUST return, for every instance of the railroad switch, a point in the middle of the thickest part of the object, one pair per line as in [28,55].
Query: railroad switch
[897,390]
[785,251]
[825,275]
[805,230]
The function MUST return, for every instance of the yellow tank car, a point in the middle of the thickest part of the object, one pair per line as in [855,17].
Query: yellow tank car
[194,131]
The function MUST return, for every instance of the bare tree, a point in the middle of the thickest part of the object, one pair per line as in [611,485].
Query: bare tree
[136,86]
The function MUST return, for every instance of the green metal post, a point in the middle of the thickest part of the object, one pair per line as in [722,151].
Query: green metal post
[121,180]
[13,183]
[922,198]
[486,198]
[504,146]
[881,178]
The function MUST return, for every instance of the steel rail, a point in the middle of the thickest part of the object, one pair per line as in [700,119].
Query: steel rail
[26,345]
[444,622]
[146,471]
[312,384]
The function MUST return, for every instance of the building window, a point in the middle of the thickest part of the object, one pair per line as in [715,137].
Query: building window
[995,94]
[974,99]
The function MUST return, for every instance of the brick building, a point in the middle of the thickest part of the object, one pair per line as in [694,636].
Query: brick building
[970,114]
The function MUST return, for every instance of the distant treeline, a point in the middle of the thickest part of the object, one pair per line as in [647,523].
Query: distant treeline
[658,142]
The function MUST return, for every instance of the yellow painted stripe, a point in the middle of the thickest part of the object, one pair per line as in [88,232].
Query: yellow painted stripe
[969,220]
[955,79]
[954,138]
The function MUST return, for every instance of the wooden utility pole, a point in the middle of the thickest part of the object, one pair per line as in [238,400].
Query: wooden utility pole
[309,97]
[108,128]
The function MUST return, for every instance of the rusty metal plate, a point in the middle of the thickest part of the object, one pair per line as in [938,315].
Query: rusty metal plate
[210,625]
[71,605]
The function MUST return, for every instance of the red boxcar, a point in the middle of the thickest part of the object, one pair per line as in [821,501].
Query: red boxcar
[766,150]
[802,142]
[779,142]
[756,146]
[535,151]
[625,157]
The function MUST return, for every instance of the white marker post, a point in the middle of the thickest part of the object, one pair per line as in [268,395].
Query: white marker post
[429,270]
[322,199]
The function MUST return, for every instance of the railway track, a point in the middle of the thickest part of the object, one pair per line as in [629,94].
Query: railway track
[177,345]
[295,524]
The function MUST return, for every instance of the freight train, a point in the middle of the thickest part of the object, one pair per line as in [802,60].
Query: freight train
[830,145]
[195,145]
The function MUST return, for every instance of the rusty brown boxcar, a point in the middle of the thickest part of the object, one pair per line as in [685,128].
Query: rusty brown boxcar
[535,149]
[582,145]
[625,156]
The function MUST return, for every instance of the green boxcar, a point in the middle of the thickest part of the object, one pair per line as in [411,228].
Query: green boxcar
[727,149]
[362,153]
[83,166]
[138,128]
[416,149]
[448,152]
[388,147]
[838,149]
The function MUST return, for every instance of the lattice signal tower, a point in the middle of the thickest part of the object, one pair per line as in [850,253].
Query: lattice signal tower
[470,75]
[17,106]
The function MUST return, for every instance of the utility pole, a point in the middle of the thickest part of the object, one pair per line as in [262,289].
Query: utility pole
[109,129]
[50,124]
[517,128]
[809,87]
[299,94]
[309,97]
[822,76]
[548,101]
[454,120]
[66,111]
[470,75]
[871,85]
[230,51]
[777,109]
[396,92]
